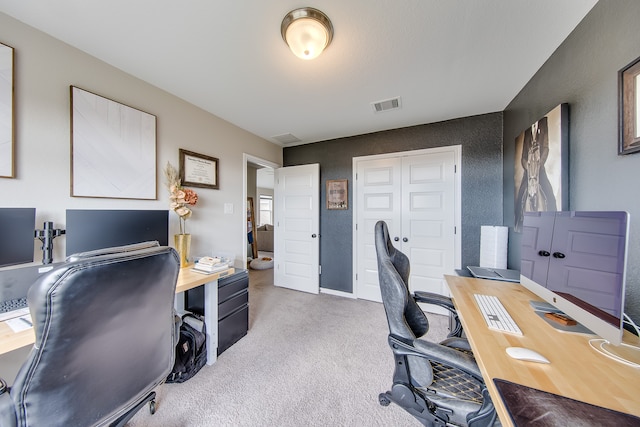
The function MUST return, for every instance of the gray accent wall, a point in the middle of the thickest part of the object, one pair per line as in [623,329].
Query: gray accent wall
[481,141]
[584,73]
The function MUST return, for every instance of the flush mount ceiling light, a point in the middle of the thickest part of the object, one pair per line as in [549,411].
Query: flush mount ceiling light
[307,31]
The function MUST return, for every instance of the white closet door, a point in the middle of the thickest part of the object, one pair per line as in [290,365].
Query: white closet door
[416,194]
[428,219]
[378,198]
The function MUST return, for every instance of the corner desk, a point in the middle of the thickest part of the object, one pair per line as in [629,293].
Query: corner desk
[187,279]
[576,370]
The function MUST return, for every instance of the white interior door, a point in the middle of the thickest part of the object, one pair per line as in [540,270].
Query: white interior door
[297,231]
[428,220]
[378,185]
[417,195]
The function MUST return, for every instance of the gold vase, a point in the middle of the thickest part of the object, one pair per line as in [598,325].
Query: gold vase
[182,244]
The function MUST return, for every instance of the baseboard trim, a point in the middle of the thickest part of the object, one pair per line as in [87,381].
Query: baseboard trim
[337,293]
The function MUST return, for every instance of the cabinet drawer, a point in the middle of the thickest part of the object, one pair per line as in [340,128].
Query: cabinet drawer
[232,287]
[232,304]
[232,328]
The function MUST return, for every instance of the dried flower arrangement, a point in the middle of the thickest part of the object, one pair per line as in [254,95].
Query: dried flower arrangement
[180,198]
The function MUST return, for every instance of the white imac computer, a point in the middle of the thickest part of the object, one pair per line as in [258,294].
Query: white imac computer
[576,261]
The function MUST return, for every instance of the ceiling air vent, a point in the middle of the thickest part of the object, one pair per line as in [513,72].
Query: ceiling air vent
[286,138]
[386,105]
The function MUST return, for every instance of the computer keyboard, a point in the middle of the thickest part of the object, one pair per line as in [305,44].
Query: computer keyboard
[13,308]
[496,315]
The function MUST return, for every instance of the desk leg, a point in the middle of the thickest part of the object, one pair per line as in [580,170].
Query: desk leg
[211,320]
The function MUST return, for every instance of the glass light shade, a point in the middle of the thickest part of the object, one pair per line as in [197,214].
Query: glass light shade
[307,32]
[307,38]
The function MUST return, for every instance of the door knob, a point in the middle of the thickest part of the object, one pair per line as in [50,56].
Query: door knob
[314,235]
[404,239]
[558,255]
[543,253]
[395,239]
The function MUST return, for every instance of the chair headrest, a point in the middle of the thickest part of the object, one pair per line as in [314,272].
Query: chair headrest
[113,250]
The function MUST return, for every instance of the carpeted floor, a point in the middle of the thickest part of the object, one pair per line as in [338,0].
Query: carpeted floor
[307,360]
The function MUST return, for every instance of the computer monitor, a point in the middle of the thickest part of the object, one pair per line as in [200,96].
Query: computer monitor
[576,261]
[89,229]
[17,233]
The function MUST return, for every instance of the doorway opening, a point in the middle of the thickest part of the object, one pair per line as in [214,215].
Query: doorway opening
[258,183]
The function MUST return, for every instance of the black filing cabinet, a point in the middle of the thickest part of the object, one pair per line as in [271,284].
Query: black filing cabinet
[233,307]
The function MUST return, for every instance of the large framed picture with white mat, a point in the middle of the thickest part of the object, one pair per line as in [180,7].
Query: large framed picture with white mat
[113,149]
[6,112]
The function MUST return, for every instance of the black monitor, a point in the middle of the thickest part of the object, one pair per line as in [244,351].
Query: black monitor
[90,229]
[17,228]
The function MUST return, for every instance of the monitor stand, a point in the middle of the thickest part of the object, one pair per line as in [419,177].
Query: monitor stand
[577,328]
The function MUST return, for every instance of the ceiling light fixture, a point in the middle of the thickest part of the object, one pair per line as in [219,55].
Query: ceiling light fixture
[307,31]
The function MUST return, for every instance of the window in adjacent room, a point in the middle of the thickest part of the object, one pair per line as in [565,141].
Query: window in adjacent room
[266,209]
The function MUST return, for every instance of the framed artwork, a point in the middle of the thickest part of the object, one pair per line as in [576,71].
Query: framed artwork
[337,194]
[541,165]
[113,149]
[629,108]
[6,112]
[198,170]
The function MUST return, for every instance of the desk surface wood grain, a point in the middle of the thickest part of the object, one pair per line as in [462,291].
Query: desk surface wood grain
[187,279]
[576,370]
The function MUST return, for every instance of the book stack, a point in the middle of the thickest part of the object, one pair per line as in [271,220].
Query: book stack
[210,265]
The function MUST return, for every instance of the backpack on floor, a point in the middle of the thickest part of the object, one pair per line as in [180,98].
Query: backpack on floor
[191,350]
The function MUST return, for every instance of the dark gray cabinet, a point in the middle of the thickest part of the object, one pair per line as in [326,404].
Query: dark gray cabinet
[233,307]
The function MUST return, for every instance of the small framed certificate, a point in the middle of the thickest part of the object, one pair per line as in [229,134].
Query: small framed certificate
[198,170]
[337,194]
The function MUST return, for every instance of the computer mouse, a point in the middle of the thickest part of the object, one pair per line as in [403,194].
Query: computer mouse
[526,354]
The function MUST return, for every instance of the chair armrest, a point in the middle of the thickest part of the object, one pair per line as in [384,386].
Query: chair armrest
[439,353]
[435,299]
[444,302]
[7,409]
[457,343]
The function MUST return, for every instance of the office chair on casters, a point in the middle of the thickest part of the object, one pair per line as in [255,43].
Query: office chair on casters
[438,384]
[105,339]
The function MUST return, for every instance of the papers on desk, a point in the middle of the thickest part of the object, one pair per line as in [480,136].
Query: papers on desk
[210,265]
[210,270]
[19,324]
[14,313]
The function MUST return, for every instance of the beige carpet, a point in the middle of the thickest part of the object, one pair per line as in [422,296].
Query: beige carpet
[308,360]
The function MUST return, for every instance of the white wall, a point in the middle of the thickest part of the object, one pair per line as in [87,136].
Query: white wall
[44,70]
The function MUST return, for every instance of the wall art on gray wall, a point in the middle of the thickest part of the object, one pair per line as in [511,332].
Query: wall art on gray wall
[629,108]
[6,112]
[337,194]
[113,149]
[541,165]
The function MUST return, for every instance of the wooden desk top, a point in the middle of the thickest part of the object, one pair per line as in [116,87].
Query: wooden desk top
[187,279]
[576,370]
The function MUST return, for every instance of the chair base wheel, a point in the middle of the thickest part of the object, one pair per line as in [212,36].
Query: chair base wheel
[152,407]
[383,399]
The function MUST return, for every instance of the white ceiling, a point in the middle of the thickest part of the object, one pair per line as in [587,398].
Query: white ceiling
[445,59]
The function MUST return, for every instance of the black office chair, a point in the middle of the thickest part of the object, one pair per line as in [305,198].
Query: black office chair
[438,384]
[105,339]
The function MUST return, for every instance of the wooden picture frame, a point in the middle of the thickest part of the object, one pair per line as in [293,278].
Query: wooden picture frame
[113,149]
[7,103]
[337,194]
[198,170]
[629,108]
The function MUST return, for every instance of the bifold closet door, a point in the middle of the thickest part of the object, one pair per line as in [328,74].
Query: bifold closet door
[378,198]
[416,196]
[428,220]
